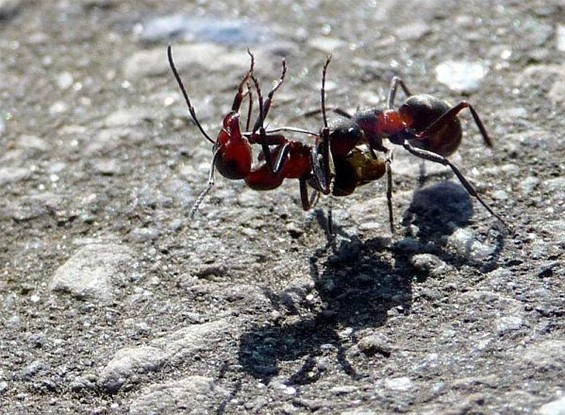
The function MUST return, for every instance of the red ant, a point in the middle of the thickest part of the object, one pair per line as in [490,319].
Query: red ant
[425,126]
[232,151]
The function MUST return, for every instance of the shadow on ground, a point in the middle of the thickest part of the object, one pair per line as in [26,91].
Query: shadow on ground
[358,282]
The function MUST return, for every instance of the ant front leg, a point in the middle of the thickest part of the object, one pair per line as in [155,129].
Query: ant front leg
[321,166]
[436,158]
[396,81]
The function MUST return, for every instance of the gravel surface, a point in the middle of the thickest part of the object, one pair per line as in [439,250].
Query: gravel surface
[115,301]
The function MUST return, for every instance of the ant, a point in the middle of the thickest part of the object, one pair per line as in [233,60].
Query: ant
[343,158]
[425,126]
[232,151]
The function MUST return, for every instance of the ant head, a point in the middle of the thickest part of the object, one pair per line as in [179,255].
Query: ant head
[401,136]
[344,136]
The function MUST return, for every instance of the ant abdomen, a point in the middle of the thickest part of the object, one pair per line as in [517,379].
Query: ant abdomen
[420,112]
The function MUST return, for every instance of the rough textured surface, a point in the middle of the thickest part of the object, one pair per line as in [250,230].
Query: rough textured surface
[113,301]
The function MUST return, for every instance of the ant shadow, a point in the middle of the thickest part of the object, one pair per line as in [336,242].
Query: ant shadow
[437,212]
[355,290]
[358,284]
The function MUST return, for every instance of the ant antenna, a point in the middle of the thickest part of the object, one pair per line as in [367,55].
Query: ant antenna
[323,91]
[259,125]
[396,81]
[325,133]
[191,109]
[249,92]
[266,105]
[250,108]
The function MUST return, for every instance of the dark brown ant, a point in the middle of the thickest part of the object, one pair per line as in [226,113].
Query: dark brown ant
[346,159]
[427,127]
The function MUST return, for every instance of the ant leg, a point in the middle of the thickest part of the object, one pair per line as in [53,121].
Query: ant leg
[449,115]
[283,152]
[290,129]
[203,194]
[320,169]
[388,162]
[396,81]
[306,205]
[191,109]
[337,110]
[342,112]
[436,158]
[267,104]
[307,202]
[330,229]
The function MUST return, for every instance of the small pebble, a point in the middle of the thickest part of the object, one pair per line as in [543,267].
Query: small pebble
[203,29]
[427,263]
[560,35]
[508,323]
[556,407]
[399,384]
[461,76]
[374,344]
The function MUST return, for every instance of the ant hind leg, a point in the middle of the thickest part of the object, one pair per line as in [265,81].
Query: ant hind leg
[436,158]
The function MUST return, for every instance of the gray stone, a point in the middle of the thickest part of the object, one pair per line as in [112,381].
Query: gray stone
[177,346]
[94,271]
[190,395]
[556,407]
